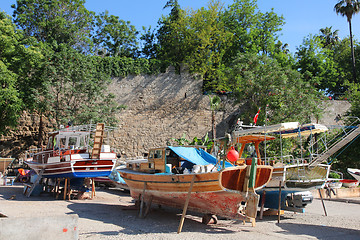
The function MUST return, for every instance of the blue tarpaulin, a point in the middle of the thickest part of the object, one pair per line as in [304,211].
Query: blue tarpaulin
[195,156]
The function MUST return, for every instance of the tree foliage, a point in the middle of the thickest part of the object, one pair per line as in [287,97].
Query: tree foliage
[76,90]
[54,22]
[19,63]
[114,37]
[260,82]
[348,8]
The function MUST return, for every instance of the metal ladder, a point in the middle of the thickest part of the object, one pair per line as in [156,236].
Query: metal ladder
[30,187]
[340,141]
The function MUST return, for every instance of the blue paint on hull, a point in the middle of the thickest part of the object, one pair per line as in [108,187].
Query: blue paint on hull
[80,175]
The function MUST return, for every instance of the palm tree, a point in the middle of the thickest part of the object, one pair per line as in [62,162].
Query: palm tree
[329,37]
[348,8]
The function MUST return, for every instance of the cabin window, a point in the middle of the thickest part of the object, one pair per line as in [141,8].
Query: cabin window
[82,142]
[50,143]
[73,142]
[158,154]
[62,143]
[167,152]
[151,154]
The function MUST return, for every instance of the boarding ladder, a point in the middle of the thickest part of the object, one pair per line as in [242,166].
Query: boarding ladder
[29,188]
[339,141]
[98,139]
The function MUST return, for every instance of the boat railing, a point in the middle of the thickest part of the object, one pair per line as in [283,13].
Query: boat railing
[32,151]
[286,159]
[87,128]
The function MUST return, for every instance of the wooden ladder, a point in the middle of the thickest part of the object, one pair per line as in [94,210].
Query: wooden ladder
[98,139]
[30,187]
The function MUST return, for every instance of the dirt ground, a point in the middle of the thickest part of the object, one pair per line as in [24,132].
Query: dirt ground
[106,217]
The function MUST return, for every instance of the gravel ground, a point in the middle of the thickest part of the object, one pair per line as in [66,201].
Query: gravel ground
[106,217]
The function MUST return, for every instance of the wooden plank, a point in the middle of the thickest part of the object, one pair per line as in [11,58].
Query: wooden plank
[186,205]
[141,211]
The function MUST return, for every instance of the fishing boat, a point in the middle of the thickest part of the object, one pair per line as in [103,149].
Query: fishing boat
[68,154]
[354,172]
[4,164]
[292,173]
[172,175]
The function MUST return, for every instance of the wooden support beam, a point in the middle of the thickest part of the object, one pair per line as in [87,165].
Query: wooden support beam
[65,188]
[186,205]
[142,199]
[262,204]
[93,193]
[322,202]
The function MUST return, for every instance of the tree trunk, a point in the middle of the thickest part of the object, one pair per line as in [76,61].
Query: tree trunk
[213,125]
[352,53]
[41,130]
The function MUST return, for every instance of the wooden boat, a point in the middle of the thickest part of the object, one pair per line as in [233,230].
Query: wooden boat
[170,172]
[293,174]
[4,164]
[69,155]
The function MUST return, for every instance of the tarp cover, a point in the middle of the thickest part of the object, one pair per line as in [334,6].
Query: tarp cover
[195,156]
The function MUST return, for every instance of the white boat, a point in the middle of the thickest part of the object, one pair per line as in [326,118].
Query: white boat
[354,172]
[68,154]
[293,173]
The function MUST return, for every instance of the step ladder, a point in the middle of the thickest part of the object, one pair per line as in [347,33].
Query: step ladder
[98,139]
[346,139]
[29,188]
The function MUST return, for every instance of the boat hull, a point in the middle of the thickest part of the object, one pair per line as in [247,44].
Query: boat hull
[299,176]
[354,173]
[220,193]
[4,163]
[74,169]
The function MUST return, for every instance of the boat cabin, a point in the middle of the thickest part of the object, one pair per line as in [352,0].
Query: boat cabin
[68,140]
[172,160]
[60,145]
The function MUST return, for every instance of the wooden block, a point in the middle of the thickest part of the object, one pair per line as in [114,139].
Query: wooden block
[272,212]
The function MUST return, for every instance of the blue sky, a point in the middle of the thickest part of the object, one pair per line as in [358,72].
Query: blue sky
[302,17]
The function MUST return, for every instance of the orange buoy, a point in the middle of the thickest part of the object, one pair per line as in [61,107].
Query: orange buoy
[232,155]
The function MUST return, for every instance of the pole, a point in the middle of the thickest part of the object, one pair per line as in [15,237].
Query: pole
[142,199]
[186,205]
[279,208]
[322,202]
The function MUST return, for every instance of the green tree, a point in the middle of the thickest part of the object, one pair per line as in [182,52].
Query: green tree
[19,63]
[169,42]
[54,22]
[318,66]
[342,54]
[76,90]
[348,8]
[254,31]
[329,37]
[150,46]
[205,39]
[114,37]
[260,82]
[10,103]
